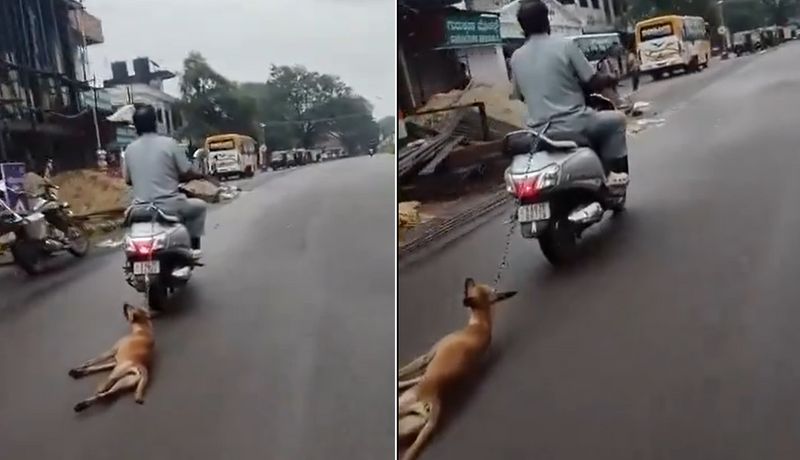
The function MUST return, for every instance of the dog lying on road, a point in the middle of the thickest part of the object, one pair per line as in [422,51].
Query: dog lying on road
[129,360]
[448,362]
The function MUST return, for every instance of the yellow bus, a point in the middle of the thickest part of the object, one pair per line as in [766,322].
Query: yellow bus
[231,155]
[669,43]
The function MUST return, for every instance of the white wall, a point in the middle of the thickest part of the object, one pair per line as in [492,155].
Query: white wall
[487,65]
[147,95]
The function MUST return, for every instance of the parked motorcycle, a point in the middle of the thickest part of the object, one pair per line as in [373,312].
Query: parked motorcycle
[158,254]
[48,230]
[559,183]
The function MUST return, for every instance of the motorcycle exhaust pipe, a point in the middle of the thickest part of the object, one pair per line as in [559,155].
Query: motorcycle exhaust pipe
[589,214]
[182,274]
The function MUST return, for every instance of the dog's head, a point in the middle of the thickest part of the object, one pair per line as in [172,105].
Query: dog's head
[482,297]
[135,315]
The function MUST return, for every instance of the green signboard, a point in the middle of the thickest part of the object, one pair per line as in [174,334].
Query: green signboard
[471,30]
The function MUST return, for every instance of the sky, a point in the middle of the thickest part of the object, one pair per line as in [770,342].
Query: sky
[354,39]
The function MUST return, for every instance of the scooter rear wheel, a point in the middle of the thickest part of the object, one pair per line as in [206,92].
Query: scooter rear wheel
[559,243]
[157,297]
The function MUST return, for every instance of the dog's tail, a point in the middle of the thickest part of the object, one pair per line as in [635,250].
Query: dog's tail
[425,433]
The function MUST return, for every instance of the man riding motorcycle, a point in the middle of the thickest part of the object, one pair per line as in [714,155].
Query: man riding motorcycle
[552,76]
[155,166]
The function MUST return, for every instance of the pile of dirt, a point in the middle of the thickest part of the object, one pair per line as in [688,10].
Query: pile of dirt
[89,191]
[496,99]
[409,217]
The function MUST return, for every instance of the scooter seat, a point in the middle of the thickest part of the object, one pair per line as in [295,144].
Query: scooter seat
[147,213]
[521,142]
[562,138]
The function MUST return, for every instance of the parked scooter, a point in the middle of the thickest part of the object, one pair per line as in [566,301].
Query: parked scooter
[560,187]
[48,230]
[158,254]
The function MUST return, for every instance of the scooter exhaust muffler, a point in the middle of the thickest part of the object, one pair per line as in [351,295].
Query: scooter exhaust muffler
[589,214]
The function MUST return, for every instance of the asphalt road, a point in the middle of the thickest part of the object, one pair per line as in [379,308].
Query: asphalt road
[676,337]
[281,348]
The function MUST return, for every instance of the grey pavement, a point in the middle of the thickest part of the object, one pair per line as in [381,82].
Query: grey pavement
[281,348]
[676,337]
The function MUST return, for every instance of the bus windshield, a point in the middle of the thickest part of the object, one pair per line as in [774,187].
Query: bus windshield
[656,31]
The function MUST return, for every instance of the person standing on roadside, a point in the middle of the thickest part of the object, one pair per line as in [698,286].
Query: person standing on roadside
[633,68]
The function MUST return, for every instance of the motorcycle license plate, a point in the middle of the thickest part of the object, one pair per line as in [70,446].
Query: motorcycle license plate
[533,212]
[152,267]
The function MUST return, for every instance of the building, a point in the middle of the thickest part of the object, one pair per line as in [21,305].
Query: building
[441,48]
[145,85]
[43,111]
[595,16]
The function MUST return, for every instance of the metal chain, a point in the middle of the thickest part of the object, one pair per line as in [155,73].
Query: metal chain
[514,218]
[504,259]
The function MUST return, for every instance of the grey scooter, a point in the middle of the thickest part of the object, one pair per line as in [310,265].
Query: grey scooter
[158,252]
[560,187]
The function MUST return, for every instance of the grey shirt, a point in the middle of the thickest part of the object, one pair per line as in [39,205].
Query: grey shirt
[153,165]
[547,71]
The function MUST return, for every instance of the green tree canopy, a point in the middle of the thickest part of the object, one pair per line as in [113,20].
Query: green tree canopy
[211,104]
[295,106]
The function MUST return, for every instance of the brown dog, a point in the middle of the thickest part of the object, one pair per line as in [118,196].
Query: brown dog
[448,362]
[129,360]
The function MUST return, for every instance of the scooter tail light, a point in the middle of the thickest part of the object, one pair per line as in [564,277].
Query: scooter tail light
[526,187]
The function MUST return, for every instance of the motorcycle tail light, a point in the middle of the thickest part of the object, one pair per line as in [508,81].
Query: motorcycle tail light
[144,247]
[528,186]
[525,187]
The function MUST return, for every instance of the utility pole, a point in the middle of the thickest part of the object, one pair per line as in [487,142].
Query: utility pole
[100,153]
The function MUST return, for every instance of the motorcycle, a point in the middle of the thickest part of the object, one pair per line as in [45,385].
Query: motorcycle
[48,230]
[158,254]
[559,183]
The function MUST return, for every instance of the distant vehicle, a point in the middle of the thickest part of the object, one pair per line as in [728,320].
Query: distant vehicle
[279,159]
[232,155]
[743,42]
[669,43]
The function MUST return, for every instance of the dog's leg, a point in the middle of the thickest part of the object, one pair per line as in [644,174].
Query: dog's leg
[84,371]
[144,377]
[119,371]
[403,384]
[80,371]
[416,365]
[432,410]
[124,383]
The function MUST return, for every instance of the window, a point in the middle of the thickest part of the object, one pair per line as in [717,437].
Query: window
[596,4]
[160,116]
[583,3]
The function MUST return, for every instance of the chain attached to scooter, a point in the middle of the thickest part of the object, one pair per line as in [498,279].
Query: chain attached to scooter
[514,218]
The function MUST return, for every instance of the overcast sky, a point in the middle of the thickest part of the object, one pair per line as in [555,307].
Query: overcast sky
[241,38]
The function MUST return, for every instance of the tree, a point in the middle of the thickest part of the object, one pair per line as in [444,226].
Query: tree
[387,126]
[350,119]
[211,104]
[294,97]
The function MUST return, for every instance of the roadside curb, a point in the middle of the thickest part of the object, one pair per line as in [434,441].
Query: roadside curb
[442,227]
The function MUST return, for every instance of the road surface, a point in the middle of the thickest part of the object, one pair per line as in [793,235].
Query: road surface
[281,349]
[677,336]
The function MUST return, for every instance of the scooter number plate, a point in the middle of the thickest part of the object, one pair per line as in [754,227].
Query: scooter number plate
[533,212]
[152,267]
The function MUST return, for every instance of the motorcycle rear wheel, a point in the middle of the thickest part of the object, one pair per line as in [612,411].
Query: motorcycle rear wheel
[157,297]
[559,242]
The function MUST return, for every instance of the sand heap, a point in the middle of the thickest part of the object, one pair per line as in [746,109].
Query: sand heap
[496,98]
[89,191]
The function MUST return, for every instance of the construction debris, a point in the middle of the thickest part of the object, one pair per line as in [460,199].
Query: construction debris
[499,105]
[92,192]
